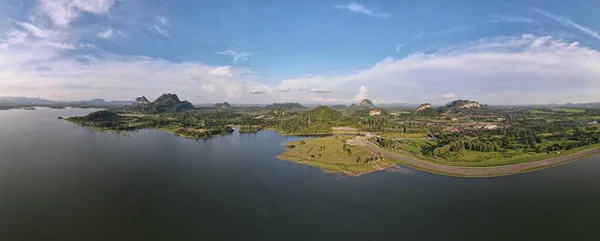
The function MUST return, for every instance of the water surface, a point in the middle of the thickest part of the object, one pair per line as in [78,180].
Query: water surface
[59,181]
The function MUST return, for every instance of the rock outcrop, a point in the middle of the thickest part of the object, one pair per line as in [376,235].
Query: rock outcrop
[423,107]
[141,101]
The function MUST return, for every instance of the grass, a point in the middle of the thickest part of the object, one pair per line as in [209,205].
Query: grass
[333,157]
[468,158]
[568,110]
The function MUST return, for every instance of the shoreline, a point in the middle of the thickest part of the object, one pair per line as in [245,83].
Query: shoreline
[346,175]
[481,172]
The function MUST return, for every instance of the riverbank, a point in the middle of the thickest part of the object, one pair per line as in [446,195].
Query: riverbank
[478,172]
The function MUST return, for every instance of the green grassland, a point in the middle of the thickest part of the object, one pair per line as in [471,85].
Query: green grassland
[333,155]
[422,150]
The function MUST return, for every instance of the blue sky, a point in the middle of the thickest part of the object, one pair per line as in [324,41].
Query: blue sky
[333,52]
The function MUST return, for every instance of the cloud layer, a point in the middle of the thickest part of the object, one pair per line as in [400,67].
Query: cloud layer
[43,56]
[516,70]
[361,9]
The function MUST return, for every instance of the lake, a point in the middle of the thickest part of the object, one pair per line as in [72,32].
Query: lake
[59,181]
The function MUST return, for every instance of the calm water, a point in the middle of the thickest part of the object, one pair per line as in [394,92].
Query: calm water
[59,181]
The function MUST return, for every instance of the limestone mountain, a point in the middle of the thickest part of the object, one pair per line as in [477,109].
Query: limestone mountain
[423,107]
[141,101]
[223,105]
[166,103]
[463,104]
[425,110]
[366,103]
[170,103]
[460,106]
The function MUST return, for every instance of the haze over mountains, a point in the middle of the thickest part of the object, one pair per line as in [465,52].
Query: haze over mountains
[141,101]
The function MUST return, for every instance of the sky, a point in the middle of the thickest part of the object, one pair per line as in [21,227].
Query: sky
[306,51]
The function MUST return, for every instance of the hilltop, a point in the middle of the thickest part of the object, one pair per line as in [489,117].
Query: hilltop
[460,105]
[223,105]
[141,101]
[323,113]
[166,103]
[366,103]
[285,106]
[423,107]
[425,110]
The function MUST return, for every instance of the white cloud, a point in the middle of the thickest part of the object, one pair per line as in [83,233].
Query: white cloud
[449,96]
[40,70]
[320,91]
[260,90]
[236,56]
[58,45]
[63,12]
[359,8]
[222,72]
[363,93]
[511,18]
[14,36]
[327,99]
[282,89]
[37,31]
[106,34]
[569,23]
[154,28]
[503,70]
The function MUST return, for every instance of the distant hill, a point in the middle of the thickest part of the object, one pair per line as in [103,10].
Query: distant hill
[323,114]
[425,110]
[460,105]
[223,105]
[285,106]
[339,107]
[141,101]
[98,118]
[423,107]
[23,101]
[366,103]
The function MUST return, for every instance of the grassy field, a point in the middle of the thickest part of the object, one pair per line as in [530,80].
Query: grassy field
[467,158]
[331,154]
[404,135]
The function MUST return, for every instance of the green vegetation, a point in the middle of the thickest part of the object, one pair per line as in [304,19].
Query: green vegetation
[334,155]
[249,129]
[285,106]
[461,133]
